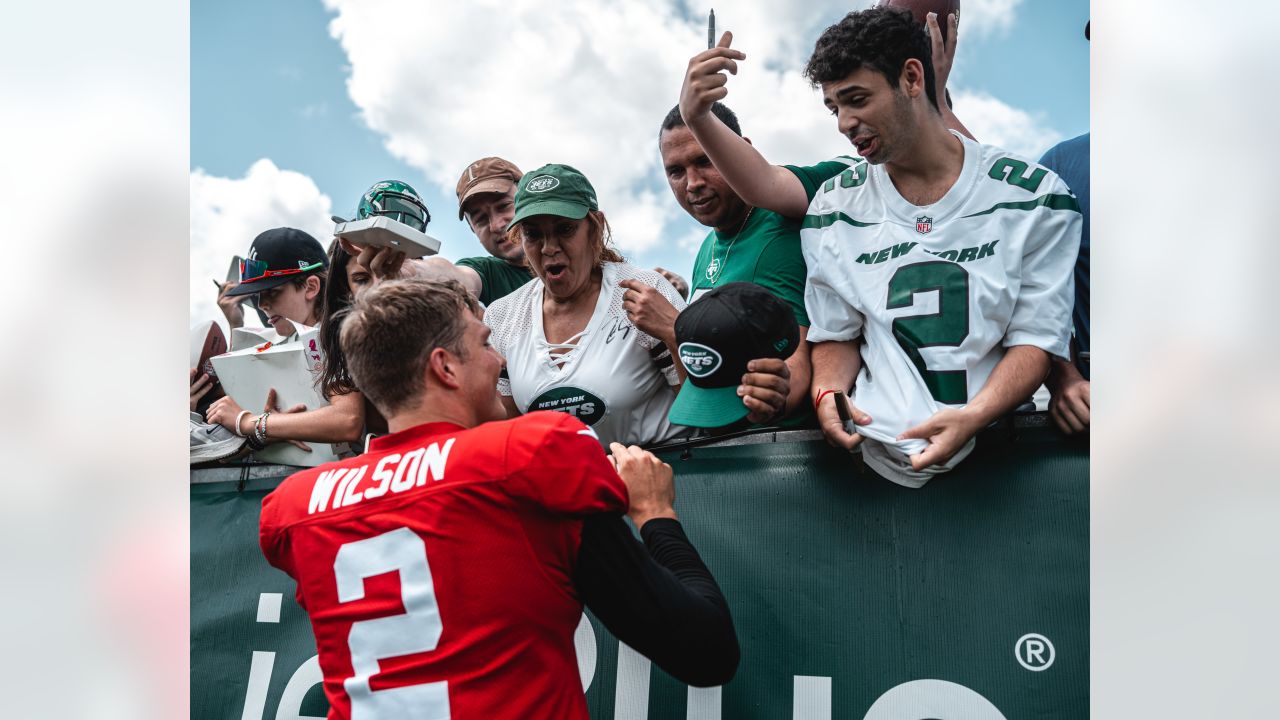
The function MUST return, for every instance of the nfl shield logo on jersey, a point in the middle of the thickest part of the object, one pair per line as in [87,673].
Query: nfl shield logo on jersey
[924,224]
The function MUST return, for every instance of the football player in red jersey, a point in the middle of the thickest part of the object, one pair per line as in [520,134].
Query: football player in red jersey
[445,570]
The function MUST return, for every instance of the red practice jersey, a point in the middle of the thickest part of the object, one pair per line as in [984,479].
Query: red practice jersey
[437,568]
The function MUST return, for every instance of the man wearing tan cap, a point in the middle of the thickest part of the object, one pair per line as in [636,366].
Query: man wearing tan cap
[486,193]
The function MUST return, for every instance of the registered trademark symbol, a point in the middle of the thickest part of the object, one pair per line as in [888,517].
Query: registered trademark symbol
[1034,652]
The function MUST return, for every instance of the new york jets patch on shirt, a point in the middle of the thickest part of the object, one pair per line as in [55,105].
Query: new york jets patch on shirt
[611,376]
[577,402]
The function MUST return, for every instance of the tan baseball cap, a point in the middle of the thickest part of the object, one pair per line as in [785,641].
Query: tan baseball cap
[487,175]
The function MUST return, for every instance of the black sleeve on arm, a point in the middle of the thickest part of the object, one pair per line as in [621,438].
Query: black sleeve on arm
[658,598]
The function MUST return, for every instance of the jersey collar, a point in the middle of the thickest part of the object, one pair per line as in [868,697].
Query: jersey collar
[415,436]
[906,213]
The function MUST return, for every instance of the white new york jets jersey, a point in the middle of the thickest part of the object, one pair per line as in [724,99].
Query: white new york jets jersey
[613,377]
[938,292]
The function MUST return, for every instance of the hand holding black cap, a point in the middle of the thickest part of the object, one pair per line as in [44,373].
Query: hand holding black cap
[715,339]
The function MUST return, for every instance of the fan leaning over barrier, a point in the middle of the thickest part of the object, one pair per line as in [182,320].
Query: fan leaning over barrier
[497,531]
[938,268]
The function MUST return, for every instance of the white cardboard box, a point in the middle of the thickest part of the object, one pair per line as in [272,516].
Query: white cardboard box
[385,232]
[292,369]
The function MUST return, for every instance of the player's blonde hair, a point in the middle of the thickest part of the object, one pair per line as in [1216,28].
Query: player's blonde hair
[388,334]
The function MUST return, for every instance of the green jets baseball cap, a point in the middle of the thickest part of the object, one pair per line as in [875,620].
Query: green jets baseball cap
[554,190]
[716,336]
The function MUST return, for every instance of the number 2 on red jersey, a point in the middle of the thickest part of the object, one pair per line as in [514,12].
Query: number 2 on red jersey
[417,630]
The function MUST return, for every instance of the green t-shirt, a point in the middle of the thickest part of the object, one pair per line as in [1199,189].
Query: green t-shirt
[499,277]
[766,251]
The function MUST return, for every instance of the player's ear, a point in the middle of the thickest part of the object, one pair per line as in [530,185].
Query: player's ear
[311,287]
[444,368]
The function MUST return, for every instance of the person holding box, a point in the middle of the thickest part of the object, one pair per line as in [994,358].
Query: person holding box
[287,271]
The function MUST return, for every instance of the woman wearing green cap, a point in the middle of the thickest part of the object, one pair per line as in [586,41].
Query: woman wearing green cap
[568,342]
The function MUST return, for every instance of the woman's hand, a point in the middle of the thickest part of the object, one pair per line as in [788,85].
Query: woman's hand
[224,412]
[270,406]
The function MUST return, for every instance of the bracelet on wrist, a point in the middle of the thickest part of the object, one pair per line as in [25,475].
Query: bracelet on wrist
[240,418]
[260,429]
[255,442]
[821,394]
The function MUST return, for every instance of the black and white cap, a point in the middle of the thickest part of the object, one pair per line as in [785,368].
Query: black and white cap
[715,339]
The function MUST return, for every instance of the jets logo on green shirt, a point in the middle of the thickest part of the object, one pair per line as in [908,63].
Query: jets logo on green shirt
[713,268]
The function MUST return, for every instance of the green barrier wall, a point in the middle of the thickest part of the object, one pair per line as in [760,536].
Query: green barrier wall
[853,598]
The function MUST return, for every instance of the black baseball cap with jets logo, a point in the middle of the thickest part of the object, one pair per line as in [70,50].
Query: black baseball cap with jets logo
[716,337]
[278,256]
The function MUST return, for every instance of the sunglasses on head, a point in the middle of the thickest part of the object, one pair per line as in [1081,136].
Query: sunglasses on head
[251,270]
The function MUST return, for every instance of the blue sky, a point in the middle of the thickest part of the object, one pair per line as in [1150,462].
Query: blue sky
[270,81]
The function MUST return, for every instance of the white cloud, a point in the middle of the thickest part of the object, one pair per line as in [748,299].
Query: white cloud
[588,84]
[988,17]
[994,122]
[533,82]
[227,213]
[585,84]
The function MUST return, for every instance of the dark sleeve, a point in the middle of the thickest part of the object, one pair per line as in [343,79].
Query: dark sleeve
[482,267]
[658,598]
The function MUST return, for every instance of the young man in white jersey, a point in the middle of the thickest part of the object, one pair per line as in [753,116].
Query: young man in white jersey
[939,268]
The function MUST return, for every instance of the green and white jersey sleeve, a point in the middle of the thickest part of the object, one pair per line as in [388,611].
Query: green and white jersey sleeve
[813,176]
[613,377]
[938,292]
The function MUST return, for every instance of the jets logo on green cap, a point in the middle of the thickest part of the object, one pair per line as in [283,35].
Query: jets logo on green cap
[542,183]
[699,360]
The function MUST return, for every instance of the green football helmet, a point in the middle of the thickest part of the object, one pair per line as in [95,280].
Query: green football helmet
[396,200]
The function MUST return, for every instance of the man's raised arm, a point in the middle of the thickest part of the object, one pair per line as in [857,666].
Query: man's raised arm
[761,184]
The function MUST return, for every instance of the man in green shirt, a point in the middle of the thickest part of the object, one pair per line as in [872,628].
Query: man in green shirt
[486,194]
[746,244]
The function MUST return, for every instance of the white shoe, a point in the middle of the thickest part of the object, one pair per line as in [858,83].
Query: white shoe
[212,442]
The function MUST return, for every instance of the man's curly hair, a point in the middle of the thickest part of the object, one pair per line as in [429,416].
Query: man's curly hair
[882,38]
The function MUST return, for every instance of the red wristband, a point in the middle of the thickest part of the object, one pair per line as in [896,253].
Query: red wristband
[821,395]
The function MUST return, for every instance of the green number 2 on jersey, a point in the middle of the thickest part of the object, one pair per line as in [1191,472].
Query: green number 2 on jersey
[949,326]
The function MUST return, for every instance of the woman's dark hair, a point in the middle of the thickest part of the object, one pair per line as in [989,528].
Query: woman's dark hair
[882,38]
[337,295]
